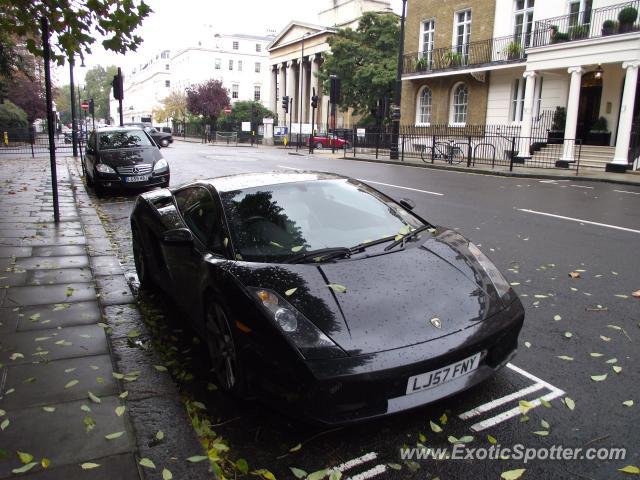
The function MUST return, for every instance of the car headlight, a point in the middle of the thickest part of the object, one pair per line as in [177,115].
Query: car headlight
[308,339]
[102,168]
[501,284]
[160,165]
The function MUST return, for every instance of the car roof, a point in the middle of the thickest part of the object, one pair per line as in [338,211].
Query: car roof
[118,129]
[241,181]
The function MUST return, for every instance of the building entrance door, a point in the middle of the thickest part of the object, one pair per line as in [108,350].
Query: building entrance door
[589,108]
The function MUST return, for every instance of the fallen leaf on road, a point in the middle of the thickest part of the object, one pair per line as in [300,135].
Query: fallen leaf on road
[297,472]
[71,383]
[628,403]
[599,378]
[636,294]
[574,274]
[565,357]
[527,344]
[513,474]
[337,288]
[5,423]
[89,465]
[145,462]
[617,368]
[569,403]
[568,334]
[113,436]
[596,354]
[93,398]
[525,406]
[166,474]
[492,440]
[120,410]
[557,318]
[632,469]
[25,457]
[24,468]
[542,433]
[197,458]
[435,427]
[295,448]
[290,292]
[612,361]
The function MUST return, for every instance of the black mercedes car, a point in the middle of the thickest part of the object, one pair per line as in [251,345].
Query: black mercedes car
[123,157]
[323,296]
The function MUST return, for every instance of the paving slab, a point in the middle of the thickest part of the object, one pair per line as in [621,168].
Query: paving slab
[7,252]
[41,317]
[65,275]
[51,262]
[40,242]
[59,250]
[122,319]
[61,436]
[13,279]
[45,345]
[116,467]
[114,290]
[106,265]
[44,383]
[48,294]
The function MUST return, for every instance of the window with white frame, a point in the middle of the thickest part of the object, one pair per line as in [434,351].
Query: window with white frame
[239,65]
[258,47]
[256,93]
[236,45]
[167,83]
[427,38]
[166,67]
[459,104]
[517,99]
[257,67]
[234,90]
[423,107]
[580,12]
[217,64]
[523,22]
[462,34]
[230,64]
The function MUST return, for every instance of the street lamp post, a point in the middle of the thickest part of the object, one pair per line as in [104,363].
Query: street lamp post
[74,128]
[300,81]
[395,133]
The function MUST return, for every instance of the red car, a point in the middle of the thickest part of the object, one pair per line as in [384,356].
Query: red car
[328,142]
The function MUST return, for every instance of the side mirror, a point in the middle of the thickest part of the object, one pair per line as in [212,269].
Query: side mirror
[178,236]
[407,203]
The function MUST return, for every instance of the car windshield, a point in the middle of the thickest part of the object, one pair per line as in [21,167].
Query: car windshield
[123,139]
[275,222]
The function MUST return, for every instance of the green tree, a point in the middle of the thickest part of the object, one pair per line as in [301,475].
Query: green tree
[173,106]
[207,99]
[97,83]
[365,60]
[75,26]
[241,112]
[12,116]
[62,97]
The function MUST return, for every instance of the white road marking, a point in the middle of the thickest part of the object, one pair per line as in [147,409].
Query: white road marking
[578,220]
[485,407]
[531,376]
[626,191]
[493,421]
[290,168]
[367,457]
[580,186]
[404,188]
[374,472]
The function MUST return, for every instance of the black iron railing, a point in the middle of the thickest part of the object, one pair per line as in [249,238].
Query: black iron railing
[595,23]
[473,54]
[634,145]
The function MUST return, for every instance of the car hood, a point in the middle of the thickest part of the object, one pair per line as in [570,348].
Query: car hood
[129,156]
[390,299]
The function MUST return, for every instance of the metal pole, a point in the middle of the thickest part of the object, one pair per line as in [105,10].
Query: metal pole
[50,118]
[74,115]
[300,81]
[393,154]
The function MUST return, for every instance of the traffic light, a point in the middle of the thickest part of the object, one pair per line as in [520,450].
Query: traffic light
[334,89]
[285,103]
[118,86]
[314,101]
[92,107]
[395,112]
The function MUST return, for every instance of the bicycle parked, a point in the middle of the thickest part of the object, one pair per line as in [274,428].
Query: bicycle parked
[447,151]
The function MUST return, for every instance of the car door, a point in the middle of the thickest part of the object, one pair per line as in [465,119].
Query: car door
[91,152]
[201,214]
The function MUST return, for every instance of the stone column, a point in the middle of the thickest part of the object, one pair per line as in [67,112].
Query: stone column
[305,91]
[313,83]
[291,87]
[273,99]
[572,113]
[621,156]
[282,86]
[527,114]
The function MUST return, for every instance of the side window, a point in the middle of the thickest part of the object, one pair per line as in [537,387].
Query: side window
[202,215]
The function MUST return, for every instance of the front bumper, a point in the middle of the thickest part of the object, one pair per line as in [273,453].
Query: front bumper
[351,389]
[117,181]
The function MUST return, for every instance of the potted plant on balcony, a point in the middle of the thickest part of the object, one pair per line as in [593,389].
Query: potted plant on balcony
[557,36]
[513,51]
[578,31]
[599,133]
[556,133]
[423,64]
[452,59]
[627,18]
[609,27]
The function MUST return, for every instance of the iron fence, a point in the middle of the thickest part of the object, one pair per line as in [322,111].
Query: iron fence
[28,141]
[588,23]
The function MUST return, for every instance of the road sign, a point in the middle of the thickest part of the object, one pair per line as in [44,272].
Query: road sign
[227,110]
[84,105]
[246,126]
[361,132]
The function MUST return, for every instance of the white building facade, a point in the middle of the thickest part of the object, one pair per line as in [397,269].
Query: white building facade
[580,55]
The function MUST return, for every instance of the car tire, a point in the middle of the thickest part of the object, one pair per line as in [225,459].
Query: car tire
[140,259]
[226,365]
[98,189]
[319,146]
[164,142]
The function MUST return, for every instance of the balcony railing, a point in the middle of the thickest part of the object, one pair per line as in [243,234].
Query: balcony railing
[596,23]
[484,52]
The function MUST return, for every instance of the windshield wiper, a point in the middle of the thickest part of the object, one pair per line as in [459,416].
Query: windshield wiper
[320,254]
[406,237]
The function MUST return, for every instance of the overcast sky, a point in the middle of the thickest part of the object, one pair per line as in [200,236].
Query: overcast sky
[173,21]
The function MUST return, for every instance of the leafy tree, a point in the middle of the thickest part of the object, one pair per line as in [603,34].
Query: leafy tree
[207,99]
[98,86]
[12,116]
[365,60]
[29,95]
[241,112]
[62,97]
[173,106]
[74,26]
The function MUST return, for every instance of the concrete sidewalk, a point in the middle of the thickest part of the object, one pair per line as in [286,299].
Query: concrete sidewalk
[67,392]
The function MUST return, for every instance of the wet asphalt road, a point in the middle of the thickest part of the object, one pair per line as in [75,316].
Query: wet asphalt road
[511,220]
